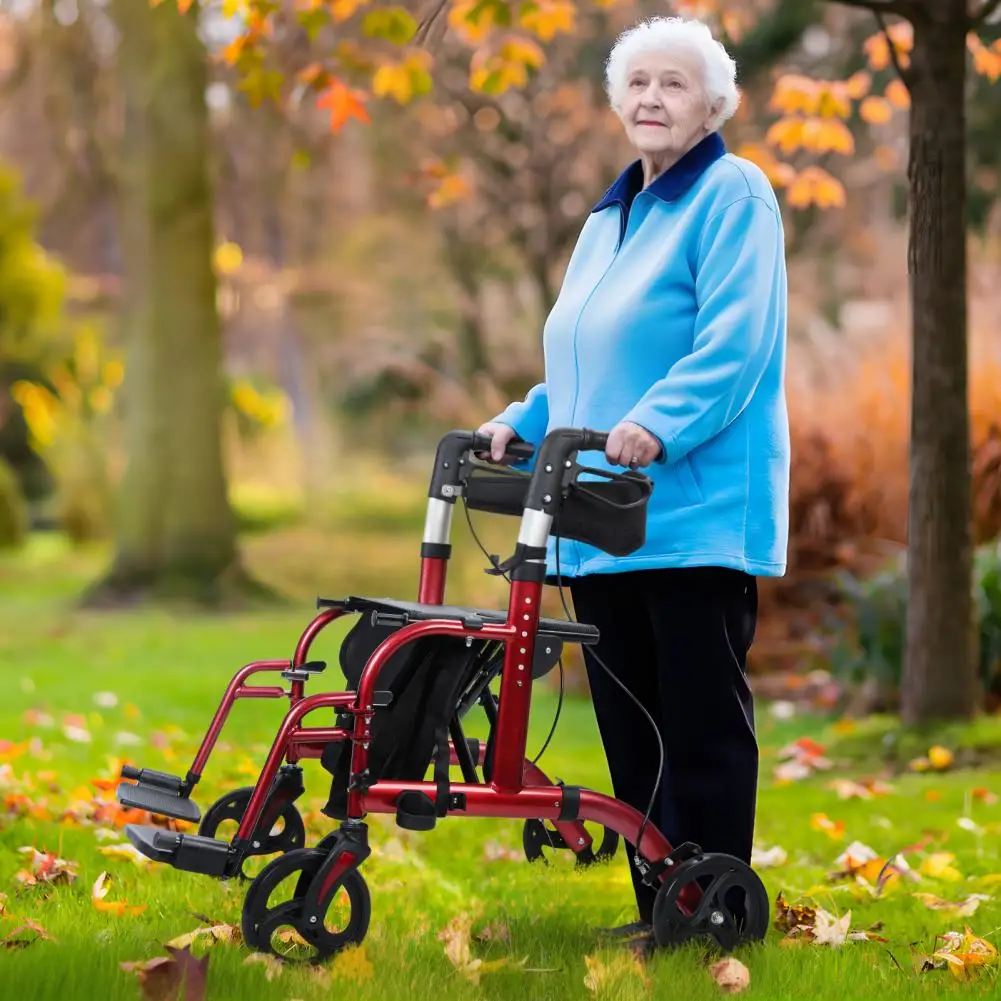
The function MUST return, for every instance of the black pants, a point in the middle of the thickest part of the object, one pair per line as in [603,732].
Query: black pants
[678,640]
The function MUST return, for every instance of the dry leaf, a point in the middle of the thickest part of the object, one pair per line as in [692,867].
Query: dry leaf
[938,866]
[178,977]
[127,852]
[120,908]
[832,828]
[960,909]
[984,795]
[273,966]
[964,953]
[45,868]
[494,932]
[766,859]
[829,930]
[731,975]
[213,933]
[352,964]
[11,941]
[602,975]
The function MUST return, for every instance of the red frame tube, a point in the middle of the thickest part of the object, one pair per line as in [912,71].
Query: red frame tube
[431,586]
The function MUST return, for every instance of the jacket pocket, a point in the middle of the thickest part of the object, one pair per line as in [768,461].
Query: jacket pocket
[689,485]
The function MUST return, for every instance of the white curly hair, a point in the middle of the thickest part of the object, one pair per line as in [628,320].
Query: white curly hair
[657,34]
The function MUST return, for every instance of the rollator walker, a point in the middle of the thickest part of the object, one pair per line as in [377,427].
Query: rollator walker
[414,671]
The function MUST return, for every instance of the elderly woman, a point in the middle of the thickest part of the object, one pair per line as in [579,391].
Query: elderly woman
[669,331]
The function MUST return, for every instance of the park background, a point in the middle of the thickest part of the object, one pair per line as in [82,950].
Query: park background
[251,270]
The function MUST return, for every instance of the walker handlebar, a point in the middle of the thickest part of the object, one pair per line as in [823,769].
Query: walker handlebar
[516,448]
[554,458]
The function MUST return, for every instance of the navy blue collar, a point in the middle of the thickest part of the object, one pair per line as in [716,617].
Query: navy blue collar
[673,183]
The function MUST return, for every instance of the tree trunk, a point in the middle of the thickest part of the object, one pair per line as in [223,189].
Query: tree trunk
[940,677]
[176,534]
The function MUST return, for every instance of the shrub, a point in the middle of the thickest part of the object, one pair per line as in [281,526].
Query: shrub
[13,509]
[876,609]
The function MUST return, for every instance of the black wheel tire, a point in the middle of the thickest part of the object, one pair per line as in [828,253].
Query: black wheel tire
[233,805]
[259,922]
[733,909]
[535,837]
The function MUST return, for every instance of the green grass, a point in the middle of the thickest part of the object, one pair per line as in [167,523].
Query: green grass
[167,674]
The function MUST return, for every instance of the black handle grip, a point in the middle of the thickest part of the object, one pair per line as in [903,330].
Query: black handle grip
[516,448]
[553,460]
[449,458]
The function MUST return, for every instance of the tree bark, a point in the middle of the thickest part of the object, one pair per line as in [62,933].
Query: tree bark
[176,534]
[939,679]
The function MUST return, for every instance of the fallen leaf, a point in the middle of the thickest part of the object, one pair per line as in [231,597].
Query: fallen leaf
[731,975]
[497,931]
[829,930]
[352,964]
[126,852]
[604,975]
[768,858]
[940,757]
[273,966]
[45,868]
[833,829]
[789,916]
[964,953]
[11,941]
[106,700]
[960,909]
[214,933]
[938,866]
[171,978]
[984,795]
[120,908]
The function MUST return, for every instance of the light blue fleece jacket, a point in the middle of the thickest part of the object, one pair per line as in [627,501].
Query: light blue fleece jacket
[672,315]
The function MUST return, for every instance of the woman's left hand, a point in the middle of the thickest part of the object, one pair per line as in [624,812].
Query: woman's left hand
[631,445]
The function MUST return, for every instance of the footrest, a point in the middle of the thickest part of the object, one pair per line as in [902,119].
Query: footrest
[415,811]
[158,800]
[189,852]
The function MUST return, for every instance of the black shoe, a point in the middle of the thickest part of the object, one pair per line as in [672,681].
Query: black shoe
[636,929]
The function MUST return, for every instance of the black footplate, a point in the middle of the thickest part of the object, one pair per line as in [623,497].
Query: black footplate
[159,800]
[392,612]
[189,852]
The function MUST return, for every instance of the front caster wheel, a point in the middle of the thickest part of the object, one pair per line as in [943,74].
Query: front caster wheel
[537,839]
[730,903]
[273,921]
[287,831]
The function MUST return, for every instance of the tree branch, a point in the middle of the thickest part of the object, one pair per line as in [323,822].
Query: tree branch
[901,72]
[988,8]
[903,8]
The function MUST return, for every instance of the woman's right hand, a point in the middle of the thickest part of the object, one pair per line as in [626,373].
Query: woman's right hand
[500,436]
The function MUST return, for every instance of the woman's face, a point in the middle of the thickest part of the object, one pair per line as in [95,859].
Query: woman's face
[665,109]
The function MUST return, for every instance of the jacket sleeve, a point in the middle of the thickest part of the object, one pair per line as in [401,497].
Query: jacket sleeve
[740,287]
[529,417]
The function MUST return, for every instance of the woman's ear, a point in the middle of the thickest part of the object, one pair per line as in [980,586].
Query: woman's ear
[712,119]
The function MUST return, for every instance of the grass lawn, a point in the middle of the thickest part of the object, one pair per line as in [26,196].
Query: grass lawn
[87,691]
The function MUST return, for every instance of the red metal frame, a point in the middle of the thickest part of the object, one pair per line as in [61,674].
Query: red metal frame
[296,743]
[517,790]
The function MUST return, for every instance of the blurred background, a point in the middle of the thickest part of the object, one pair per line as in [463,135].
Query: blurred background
[334,286]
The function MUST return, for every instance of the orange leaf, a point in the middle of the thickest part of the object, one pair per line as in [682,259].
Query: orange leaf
[897,94]
[821,822]
[119,908]
[827,135]
[341,10]
[876,110]
[857,85]
[814,186]
[547,18]
[343,104]
[794,92]
[787,134]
